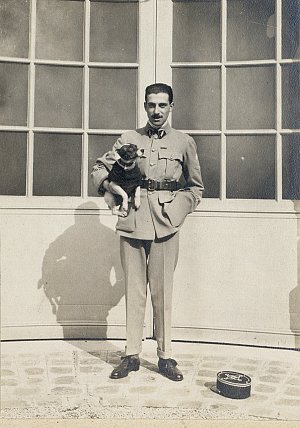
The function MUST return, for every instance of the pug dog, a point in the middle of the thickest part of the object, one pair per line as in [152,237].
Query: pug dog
[125,180]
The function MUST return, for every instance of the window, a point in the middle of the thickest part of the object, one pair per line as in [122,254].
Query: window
[69,87]
[236,78]
[64,91]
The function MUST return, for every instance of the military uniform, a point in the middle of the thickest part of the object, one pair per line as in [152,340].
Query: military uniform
[149,238]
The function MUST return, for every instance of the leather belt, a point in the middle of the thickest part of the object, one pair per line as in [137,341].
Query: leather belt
[152,185]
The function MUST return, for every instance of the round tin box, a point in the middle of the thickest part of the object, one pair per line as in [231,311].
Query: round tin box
[233,384]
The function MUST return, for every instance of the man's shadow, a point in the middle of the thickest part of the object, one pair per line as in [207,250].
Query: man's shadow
[82,276]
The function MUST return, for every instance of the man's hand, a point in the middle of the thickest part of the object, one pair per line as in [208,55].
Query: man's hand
[111,189]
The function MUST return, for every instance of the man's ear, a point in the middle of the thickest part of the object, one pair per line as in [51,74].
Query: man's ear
[171,105]
[145,105]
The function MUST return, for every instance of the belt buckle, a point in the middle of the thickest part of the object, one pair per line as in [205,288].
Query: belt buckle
[151,186]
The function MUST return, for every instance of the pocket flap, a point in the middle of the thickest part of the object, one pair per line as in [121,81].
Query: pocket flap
[165,196]
[169,154]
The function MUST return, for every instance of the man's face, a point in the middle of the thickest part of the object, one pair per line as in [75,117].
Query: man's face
[158,108]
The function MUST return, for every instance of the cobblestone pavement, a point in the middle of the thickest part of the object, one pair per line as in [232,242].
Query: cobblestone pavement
[71,379]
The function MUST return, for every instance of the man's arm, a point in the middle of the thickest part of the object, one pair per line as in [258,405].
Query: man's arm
[187,199]
[192,173]
[102,167]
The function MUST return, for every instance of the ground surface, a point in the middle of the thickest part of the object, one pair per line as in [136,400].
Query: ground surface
[70,379]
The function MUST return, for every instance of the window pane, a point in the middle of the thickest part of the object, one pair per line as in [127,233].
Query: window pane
[98,145]
[13,149]
[114,31]
[197,98]
[290,29]
[57,165]
[196,35]
[13,94]
[250,29]
[59,29]
[14,28]
[113,98]
[250,167]
[209,153]
[291,96]
[291,166]
[58,96]
[251,97]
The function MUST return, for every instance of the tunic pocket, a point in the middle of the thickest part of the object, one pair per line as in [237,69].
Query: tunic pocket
[172,162]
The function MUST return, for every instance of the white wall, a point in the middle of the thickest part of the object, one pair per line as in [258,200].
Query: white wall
[237,278]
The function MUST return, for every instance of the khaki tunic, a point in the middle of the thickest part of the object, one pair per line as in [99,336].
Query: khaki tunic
[173,157]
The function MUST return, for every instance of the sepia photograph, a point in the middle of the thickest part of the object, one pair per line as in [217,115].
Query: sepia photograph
[150,213]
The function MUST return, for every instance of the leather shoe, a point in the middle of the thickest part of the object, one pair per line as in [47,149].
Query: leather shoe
[127,365]
[167,367]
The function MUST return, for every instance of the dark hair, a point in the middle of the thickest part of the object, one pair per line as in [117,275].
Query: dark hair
[155,88]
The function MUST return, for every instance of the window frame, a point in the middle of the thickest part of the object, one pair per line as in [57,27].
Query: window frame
[164,73]
[145,67]
[154,64]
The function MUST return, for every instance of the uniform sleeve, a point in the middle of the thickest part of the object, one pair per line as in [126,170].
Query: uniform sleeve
[192,173]
[103,165]
[187,199]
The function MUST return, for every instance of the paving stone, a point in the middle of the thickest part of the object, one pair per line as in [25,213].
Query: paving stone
[29,363]
[11,404]
[185,363]
[90,361]
[245,369]
[269,378]
[287,402]
[65,380]
[227,407]
[295,392]
[91,369]
[247,361]
[148,379]
[6,372]
[186,356]
[23,391]
[257,397]
[122,380]
[212,365]
[62,370]
[189,404]
[61,362]
[155,403]
[206,373]
[35,380]
[214,358]
[49,402]
[9,382]
[282,364]
[65,390]
[143,389]
[34,371]
[276,370]
[264,388]
[106,389]
[293,381]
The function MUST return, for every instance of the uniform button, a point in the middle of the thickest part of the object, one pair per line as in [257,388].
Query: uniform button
[153,150]
[152,163]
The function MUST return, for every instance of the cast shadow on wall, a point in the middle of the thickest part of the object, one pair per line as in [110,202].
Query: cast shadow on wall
[82,275]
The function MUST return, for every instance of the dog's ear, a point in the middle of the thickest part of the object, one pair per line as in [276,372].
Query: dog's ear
[140,152]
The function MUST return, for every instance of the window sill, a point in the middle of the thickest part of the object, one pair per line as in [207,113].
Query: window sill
[97,203]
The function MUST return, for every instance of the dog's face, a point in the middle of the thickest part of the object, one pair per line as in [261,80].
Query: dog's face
[129,152]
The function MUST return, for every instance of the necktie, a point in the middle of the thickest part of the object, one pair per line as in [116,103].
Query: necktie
[156,133]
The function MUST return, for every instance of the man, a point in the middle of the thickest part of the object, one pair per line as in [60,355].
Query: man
[149,235]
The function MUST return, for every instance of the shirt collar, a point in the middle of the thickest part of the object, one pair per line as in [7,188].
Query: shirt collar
[166,126]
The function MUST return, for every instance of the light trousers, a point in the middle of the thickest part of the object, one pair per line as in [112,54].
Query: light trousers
[149,262]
